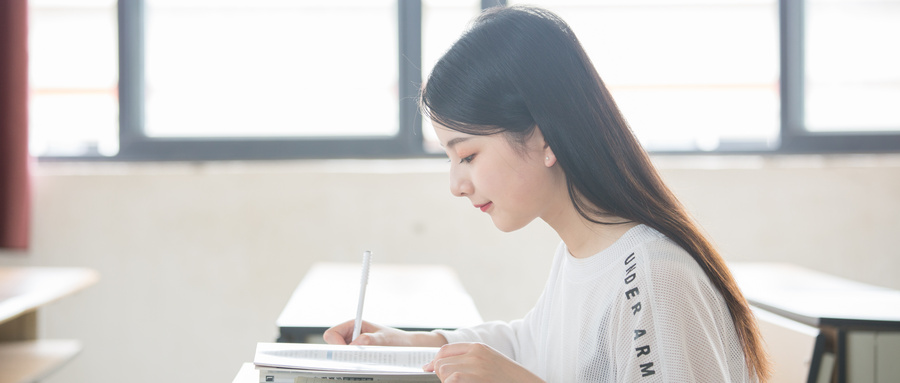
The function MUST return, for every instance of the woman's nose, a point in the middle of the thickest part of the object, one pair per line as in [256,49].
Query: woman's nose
[460,185]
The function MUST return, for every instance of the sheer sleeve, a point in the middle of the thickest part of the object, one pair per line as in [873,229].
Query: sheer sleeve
[673,325]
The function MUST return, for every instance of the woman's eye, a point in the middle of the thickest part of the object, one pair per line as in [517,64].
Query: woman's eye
[467,159]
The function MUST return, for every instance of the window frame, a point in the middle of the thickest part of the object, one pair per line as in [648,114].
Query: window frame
[795,139]
[134,145]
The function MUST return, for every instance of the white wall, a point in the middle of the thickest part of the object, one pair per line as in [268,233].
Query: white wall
[197,260]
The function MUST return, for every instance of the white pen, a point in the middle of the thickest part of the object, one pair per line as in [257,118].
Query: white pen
[357,326]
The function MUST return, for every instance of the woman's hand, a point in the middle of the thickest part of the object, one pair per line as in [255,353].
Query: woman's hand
[476,362]
[372,334]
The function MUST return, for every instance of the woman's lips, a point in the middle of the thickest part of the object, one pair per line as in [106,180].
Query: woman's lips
[485,206]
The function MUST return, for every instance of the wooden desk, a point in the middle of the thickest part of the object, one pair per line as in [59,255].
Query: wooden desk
[409,297]
[24,357]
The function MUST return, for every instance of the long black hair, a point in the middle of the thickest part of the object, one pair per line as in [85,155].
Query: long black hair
[518,68]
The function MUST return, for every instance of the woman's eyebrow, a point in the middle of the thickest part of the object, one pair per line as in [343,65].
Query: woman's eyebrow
[453,142]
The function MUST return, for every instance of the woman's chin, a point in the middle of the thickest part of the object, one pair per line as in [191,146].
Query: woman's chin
[506,226]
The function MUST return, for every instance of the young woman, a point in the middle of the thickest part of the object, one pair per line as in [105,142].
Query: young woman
[636,292]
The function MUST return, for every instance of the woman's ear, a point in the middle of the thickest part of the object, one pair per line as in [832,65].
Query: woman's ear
[549,157]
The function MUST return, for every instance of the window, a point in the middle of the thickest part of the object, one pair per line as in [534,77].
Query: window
[268,79]
[852,66]
[267,68]
[707,76]
[839,91]
[73,106]
[243,79]
[687,76]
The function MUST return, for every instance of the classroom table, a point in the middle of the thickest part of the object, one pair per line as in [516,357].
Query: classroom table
[415,297]
[848,331]
[407,296]
[24,357]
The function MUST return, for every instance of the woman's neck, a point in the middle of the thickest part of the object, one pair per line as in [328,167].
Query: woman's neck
[584,238]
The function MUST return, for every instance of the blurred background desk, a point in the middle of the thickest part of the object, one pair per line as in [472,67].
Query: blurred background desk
[24,357]
[821,328]
[409,297]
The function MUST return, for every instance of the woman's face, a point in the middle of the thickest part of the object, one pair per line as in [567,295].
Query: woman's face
[513,185]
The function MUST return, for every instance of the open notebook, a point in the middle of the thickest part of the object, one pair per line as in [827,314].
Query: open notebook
[305,362]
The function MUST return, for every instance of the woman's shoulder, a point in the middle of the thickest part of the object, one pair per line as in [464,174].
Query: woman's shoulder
[664,263]
[659,250]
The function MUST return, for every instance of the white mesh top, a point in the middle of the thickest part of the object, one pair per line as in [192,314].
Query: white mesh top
[640,311]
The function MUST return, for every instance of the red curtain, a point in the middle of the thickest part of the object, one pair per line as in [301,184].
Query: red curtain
[14,180]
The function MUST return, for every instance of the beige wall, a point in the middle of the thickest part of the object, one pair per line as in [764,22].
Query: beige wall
[197,260]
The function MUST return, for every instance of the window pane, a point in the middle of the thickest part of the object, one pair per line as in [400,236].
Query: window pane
[443,21]
[852,61]
[687,75]
[271,68]
[73,76]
